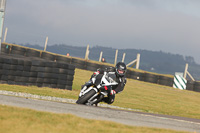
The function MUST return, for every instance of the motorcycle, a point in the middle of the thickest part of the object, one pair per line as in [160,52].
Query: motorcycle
[96,89]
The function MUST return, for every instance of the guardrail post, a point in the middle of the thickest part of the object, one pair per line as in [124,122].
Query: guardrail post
[2,13]
[132,62]
[45,45]
[138,61]
[123,57]
[87,52]
[100,57]
[135,62]
[185,72]
[116,54]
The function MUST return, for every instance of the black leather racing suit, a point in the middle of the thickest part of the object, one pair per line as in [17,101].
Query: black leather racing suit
[117,89]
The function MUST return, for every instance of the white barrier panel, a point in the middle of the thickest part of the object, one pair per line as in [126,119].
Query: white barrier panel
[2,10]
[179,82]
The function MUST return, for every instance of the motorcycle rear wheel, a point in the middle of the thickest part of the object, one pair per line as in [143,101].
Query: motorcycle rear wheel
[86,97]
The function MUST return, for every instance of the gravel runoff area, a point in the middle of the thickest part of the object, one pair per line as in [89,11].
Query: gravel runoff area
[56,99]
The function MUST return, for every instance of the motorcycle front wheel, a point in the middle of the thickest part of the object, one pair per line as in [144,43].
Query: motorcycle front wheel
[86,97]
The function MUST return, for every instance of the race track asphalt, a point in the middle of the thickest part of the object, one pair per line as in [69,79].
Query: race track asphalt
[101,113]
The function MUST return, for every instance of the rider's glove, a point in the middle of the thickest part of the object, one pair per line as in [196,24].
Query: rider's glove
[112,92]
[96,73]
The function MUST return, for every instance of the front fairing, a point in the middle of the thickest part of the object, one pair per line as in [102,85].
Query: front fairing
[98,79]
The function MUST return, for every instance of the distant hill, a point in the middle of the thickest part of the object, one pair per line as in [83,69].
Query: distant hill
[153,61]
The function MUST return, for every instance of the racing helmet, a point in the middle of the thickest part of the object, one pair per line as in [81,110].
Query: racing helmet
[120,69]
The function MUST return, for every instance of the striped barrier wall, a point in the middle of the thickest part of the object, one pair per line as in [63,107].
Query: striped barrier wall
[179,82]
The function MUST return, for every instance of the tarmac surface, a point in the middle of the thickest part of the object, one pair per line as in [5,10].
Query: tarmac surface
[132,118]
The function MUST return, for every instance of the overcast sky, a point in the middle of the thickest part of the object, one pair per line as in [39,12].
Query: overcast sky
[167,25]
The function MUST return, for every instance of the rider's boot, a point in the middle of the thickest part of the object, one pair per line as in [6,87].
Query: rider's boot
[109,100]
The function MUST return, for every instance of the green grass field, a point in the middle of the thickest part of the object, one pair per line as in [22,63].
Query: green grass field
[19,120]
[143,96]
[139,95]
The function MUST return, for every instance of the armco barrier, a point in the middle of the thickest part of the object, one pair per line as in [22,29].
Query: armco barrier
[128,73]
[60,58]
[5,48]
[32,53]
[92,66]
[167,81]
[41,73]
[48,56]
[81,64]
[148,77]
[19,51]
[137,75]
[190,85]
[196,86]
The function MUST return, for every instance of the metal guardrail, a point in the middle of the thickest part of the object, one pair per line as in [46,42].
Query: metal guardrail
[92,66]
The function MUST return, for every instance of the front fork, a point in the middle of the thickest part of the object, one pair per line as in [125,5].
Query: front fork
[98,97]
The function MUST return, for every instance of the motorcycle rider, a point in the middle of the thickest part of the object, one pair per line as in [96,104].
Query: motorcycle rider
[119,70]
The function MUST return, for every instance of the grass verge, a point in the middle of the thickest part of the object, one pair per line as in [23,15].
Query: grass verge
[139,95]
[19,120]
